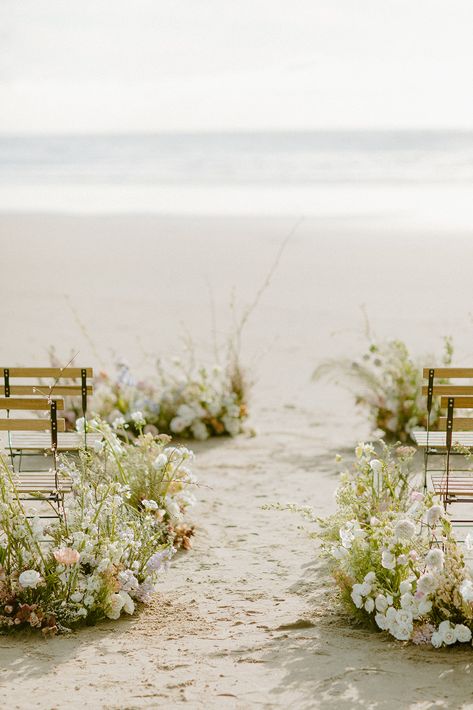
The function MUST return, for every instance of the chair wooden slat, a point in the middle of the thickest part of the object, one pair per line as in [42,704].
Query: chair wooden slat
[459,424]
[28,403]
[458,402]
[41,441]
[63,390]
[448,389]
[71,372]
[30,424]
[456,486]
[455,372]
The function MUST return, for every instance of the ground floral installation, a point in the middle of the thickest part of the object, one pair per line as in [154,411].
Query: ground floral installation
[105,555]
[392,553]
[388,384]
[192,403]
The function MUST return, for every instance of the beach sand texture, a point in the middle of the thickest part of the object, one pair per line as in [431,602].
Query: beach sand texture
[245,619]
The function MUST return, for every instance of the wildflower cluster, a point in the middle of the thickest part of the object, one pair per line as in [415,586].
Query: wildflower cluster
[193,404]
[388,384]
[393,554]
[106,554]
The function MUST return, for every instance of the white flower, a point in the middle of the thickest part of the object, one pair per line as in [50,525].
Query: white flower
[369,605]
[376,465]
[199,431]
[160,462]
[407,601]
[173,508]
[424,606]
[447,632]
[401,632]
[362,589]
[98,446]
[468,542]
[29,578]
[436,639]
[462,633]
[466,591]
[118,422]
[115,606]
[349,531]
[149,504]
[402,560]
[370,577]
[434,514]
[177,425]
[381,621]
[357,600]
[427,583]
[381,603]
[405,586]
[405,529]
[128,605]
[388,560]
[435,559]
[80,424]
[138,418]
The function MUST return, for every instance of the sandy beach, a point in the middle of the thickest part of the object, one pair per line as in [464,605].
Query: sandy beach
[246,619]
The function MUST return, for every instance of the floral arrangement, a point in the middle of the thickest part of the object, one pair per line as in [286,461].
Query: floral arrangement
[389,386]
[105,554]
[187,402]
[392,553]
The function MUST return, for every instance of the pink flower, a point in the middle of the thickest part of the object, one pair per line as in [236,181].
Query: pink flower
[66,556]
[417,495]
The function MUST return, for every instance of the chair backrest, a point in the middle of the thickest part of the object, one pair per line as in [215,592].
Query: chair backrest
[57,375]
[50,423]
[453,396]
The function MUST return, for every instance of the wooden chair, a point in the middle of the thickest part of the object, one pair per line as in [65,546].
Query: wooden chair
[452,485]
[12,379]
[47,485]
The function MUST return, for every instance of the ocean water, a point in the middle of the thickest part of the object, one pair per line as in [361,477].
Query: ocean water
[305,172]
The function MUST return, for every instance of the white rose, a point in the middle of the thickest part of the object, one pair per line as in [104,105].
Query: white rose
[436,639]
[401,632]
[29,578]
[447,632]
[462,633]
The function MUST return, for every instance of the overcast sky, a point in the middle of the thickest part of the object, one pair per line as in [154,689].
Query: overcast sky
[131,65]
